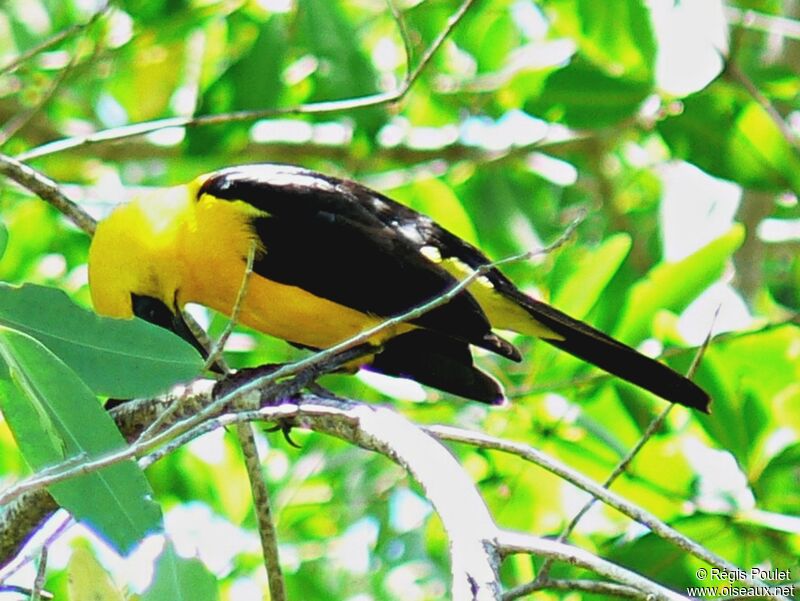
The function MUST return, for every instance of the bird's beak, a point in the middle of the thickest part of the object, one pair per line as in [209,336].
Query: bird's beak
[181,328]
[157,312]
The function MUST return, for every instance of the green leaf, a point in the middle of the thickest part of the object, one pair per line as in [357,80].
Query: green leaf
[759,153]
[723,131]
[88,580]
[673,286]
[253,81]
[724,535]
[344,70]
[53,416]
[777,486]
[615,36]
[590,276]
[581,95]
[489,40]
[115,357]
[3,239]
[179,579]
[756,376]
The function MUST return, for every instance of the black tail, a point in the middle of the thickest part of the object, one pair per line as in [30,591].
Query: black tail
[440,361]
[591,345]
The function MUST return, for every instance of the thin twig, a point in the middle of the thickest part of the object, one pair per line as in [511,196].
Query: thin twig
[41,570]
[245,433]
[21,119]
[52,41]
[595,587]
[21,590]
[512,542]
[262,506]
[544,572]
[759,21]
[10,570]
[406,39]
[734,73]
[608,497]
[219,346]
[654,425]
[163,418]
[330,106]
[47,190]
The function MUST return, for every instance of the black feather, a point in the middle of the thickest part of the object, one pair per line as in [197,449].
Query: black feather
[337,240]
[344,242]
[589,344]
[436,360]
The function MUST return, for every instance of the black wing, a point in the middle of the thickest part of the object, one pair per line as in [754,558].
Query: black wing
[351,245]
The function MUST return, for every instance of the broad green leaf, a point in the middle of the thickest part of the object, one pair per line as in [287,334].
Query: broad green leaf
[674,285]
[590,276]
[753,373]
[88,580]
[758,152]
[615,36]
[725,535]
[765,364]
[777,488]
[724,132]
[580,95]
[115,357]
[54,416]
[179,579]
[254,55]
[344,70]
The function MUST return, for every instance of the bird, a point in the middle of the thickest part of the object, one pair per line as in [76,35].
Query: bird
[330,258]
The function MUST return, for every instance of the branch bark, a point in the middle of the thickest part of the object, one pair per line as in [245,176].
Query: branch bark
[476,543]
[47,190]
[464,514]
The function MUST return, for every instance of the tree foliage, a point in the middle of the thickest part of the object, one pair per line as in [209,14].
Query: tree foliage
[670,126]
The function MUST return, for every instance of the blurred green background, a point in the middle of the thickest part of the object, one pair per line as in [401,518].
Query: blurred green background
[673,124]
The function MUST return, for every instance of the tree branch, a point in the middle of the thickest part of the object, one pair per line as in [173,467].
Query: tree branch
[595,587]
[759,21]
[608,497]
[316,108]
[475,541]
[262,507]
[511,542]
[464,514]
[47,190]
[54,40]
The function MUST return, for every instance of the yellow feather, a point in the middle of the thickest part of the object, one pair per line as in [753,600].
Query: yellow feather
[176,249]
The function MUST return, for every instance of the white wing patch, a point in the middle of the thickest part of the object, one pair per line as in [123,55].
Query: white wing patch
[431,253]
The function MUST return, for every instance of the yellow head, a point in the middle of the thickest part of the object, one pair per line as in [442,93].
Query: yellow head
[134,259]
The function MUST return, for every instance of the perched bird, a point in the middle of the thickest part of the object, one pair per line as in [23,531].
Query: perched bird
[333,258]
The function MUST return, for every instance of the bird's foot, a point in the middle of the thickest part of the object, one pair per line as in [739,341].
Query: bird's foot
[240,377]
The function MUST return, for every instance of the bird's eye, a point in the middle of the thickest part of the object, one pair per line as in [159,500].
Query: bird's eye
[152,310]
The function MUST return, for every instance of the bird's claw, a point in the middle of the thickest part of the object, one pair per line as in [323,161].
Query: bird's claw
[285,427]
